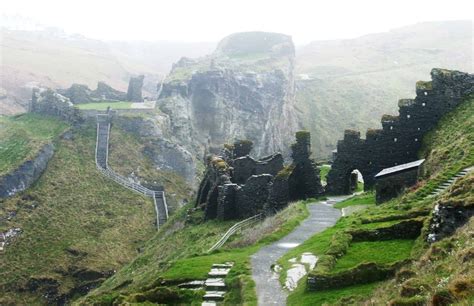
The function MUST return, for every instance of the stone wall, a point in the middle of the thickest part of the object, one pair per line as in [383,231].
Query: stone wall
[400,138]
[49,102]
[134,92]
[390,186]
[79,93]
[237,187]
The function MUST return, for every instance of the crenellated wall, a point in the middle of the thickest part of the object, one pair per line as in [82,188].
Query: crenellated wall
[400,138]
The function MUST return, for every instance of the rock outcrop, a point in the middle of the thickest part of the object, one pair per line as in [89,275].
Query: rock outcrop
[134,92]
[236,187]
[79,93]
[48,102]
[165,154]
[244,90]
[27,173]
[400,138]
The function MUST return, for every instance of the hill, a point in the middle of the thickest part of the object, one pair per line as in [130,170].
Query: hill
[54,59]
[394,255]
[351,83]
[74,227]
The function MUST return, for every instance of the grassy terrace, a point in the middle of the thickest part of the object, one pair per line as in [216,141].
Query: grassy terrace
[104,105]
[22,136]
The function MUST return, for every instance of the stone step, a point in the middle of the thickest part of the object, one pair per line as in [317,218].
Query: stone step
[214,296]
[219,272]
[227,265]
[216,284]
[192,284]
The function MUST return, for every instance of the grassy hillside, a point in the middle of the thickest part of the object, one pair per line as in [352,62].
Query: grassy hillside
[352,83]
[77,227]
[162,267]
[447,149]
[21,137]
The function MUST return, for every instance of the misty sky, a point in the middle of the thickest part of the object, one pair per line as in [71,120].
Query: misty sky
[210,20]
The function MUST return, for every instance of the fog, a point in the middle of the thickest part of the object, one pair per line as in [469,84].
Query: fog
[210,20]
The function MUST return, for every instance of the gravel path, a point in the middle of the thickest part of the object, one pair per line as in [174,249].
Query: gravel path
[269,290]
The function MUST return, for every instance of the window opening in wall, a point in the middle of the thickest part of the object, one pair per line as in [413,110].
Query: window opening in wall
[423,104]
[425,93]
[395,139]
[408,116]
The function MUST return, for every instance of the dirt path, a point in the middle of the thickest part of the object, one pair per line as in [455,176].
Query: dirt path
[269,290]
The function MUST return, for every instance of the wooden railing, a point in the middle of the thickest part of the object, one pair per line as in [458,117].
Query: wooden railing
[236,227]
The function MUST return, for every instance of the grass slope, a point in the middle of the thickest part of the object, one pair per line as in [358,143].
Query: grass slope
[447,149]
[178,253]
[75,224]
[104,105]
[22,136]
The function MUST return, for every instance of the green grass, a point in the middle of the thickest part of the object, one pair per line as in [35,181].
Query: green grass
[104,105]
[301,297]
[73,218]
[22,136]
[323,172]
[380,252]
[363,199]
[187,259]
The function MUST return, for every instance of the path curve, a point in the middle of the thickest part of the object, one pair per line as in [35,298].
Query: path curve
[269,291]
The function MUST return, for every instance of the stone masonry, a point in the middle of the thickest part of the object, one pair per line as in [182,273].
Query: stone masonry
[400,138]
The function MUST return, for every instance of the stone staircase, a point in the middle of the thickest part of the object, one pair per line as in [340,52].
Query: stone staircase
[214,286]
[101,160]
[444,185]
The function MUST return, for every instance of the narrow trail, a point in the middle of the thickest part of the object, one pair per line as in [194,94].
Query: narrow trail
[269,291]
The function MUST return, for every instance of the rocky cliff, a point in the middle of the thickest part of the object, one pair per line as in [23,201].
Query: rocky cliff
[244,89]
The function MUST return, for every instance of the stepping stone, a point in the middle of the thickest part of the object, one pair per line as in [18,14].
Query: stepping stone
[226,265]
[192,284]
[217,284]
[218,272]
[214,296]
[208,303]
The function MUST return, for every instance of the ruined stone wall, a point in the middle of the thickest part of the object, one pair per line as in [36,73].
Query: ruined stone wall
[134,92]
[49,102]
[238,187]
[400,138]
[391,186]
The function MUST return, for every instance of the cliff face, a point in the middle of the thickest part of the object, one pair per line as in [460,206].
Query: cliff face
[245,90]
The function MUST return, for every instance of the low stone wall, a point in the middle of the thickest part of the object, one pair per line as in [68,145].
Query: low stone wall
[362,274]
[26,174]
[409,229]
[391,186]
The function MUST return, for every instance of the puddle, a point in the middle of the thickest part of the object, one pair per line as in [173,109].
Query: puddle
[293,275]
[310,259]
[298,270]
[288,245]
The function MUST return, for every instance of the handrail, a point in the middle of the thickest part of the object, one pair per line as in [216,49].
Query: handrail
[238,226]
[108,172]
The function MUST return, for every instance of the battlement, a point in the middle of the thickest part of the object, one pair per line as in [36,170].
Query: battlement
[400,139]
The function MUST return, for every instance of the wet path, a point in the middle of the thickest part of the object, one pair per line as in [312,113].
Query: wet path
[269,291]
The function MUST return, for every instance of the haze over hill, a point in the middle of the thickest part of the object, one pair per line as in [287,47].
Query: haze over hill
[339,83]
[351,83]
[52,58]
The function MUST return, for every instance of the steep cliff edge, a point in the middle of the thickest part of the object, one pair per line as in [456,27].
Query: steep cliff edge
[245,89]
